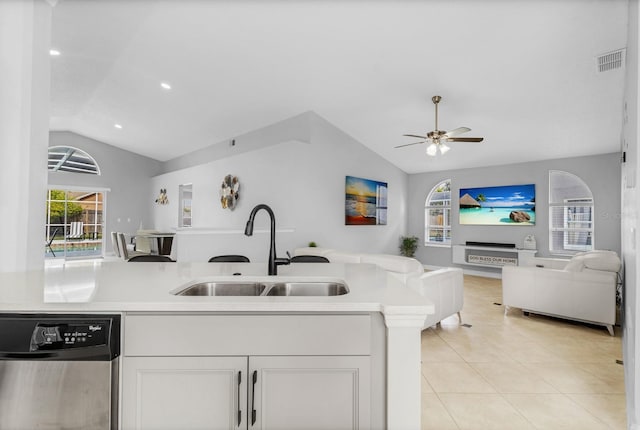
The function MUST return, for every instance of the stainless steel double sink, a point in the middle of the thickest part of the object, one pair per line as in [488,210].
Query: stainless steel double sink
[240,288]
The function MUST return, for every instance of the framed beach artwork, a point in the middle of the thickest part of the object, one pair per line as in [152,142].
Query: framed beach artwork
[503,205]
[365,202]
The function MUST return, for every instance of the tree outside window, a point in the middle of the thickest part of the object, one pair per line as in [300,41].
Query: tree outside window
[437,215]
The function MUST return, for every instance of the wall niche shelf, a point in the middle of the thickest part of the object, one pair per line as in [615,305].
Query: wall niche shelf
[492,256]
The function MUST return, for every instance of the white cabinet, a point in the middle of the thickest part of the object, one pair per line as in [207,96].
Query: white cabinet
[168,393]
[308,393]
[211,372]
[270,393]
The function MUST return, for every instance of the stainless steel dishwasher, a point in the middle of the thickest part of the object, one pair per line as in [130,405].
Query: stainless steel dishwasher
[59,371]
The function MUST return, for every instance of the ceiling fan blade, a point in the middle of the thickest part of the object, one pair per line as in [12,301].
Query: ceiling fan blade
[409,144]
[415,135]
[457,131]
[465,139]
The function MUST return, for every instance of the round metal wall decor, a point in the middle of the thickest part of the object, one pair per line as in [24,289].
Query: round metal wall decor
[229,192]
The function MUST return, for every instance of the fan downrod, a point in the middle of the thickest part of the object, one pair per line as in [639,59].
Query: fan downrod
[436,100]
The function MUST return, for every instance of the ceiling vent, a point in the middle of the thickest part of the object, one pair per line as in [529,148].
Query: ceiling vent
[611,60]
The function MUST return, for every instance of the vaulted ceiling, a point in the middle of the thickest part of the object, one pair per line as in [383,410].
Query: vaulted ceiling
[522,74]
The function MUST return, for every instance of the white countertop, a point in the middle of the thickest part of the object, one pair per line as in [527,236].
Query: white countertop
[116,286]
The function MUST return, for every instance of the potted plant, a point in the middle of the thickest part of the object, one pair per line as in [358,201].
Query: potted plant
[312,245]
[408,245]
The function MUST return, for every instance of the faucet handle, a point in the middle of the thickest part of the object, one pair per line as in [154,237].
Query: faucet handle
[282,261]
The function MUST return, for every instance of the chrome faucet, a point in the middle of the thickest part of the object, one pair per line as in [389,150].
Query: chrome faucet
[274,262]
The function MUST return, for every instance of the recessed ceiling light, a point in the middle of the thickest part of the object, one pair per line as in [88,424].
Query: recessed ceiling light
[165,85]
[54,52]
[118,126]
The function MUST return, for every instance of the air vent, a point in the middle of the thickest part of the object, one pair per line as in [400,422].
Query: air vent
[610,60]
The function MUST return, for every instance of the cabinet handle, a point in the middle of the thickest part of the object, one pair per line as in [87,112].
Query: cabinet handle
[253,397]
[239,411]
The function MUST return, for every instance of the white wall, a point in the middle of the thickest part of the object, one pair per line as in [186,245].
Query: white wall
[297,128]
[600,172]
[630,211]
[125,174]
[303,183]
[25,34]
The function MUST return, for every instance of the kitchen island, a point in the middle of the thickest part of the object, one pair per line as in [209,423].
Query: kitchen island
[257,362]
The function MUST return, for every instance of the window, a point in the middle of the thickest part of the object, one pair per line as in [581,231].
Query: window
[186,195]
[571,216]
[437,215]
[68,159]
[74,224]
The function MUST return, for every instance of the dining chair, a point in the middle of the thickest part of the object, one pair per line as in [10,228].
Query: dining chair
[229,259]
[125,253]
[309,259]
[114,244]
[151,258]
[48,242]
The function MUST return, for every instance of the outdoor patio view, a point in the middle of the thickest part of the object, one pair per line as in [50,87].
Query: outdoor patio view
[74,226]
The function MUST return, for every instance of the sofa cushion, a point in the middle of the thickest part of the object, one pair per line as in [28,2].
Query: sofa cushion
[343,257]
[594,260]
[313,250]
[602,260]
[394,263]
[389,262]
[576,264]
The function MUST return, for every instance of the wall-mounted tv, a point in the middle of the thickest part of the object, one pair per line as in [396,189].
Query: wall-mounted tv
[504,205]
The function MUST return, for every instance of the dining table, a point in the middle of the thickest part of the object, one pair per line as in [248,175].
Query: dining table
[163,241]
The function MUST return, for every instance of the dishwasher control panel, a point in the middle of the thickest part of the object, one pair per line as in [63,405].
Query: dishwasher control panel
[59,337]
[47,336]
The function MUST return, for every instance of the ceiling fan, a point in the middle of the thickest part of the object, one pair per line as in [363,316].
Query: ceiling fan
[439,137]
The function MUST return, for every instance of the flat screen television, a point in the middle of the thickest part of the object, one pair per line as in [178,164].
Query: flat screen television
[503,205]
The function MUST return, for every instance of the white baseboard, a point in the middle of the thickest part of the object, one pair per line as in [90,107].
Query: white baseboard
[494,275]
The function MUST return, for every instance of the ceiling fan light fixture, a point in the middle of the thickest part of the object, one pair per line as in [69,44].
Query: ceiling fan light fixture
[438,138]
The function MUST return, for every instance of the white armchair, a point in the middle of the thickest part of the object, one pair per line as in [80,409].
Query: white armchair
[445,288]
[584,290]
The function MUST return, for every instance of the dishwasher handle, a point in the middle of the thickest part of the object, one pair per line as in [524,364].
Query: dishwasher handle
[99,353]
[28,355]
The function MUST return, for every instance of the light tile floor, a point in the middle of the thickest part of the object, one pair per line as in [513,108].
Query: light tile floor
[515,372]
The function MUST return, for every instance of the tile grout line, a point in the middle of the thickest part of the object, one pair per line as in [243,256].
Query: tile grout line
[534,331]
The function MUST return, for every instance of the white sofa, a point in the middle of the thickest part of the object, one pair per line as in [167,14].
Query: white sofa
[444,287]
[583,290]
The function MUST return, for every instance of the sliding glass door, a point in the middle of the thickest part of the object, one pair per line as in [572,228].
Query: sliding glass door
[75,224]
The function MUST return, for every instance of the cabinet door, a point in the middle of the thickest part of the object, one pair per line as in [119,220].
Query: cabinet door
[184,393]
[301,393]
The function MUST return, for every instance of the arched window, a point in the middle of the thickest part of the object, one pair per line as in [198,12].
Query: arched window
[571,217]
[69,159]
[437,215]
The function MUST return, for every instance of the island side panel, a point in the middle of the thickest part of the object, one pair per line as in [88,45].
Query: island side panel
[404,371]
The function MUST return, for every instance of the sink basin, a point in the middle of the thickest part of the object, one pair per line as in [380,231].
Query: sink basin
[230,288]
[308,289]
[223,289]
